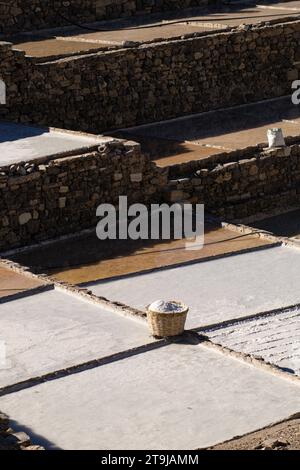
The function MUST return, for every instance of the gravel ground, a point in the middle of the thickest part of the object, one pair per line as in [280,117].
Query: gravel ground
[282,436]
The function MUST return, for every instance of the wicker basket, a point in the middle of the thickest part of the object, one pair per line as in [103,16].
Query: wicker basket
[163,324]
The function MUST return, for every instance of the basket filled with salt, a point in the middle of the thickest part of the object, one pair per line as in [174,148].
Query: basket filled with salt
[167,318]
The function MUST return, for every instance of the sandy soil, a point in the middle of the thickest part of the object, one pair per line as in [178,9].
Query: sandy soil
[283,436]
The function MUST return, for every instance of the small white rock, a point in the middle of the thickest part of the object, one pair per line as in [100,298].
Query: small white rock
[24,218]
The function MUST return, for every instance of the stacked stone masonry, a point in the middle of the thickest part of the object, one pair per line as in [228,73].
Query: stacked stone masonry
[151,82]
[42,201]
[240,189]
[60,197]
[27,15]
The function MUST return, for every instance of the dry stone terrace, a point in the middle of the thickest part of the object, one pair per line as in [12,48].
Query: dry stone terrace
[58,193]
[59,42]
[74,341]
[65,92]
[155,80]
[41,194]
[36,14]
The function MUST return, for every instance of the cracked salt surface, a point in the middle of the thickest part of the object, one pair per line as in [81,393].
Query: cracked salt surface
[275,338]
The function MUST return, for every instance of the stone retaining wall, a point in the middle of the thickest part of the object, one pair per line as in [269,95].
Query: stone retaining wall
[42,201]
[15,72]
[240,189]
[27,15]
[152,82]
